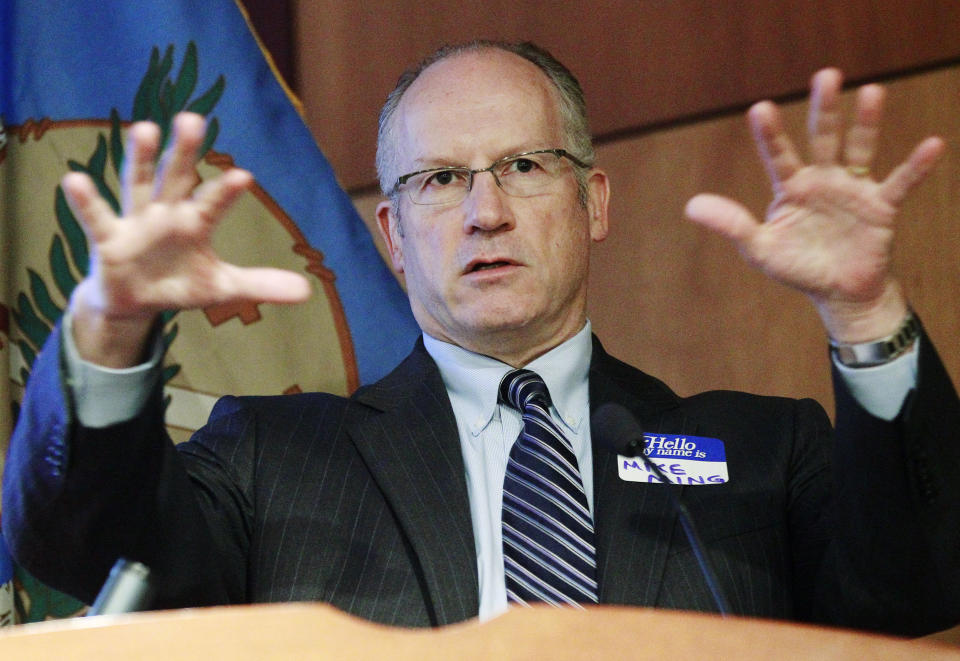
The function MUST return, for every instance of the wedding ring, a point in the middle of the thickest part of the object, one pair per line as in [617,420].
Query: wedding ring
[859,170]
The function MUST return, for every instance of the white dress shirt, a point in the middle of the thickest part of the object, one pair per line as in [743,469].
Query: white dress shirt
[488,430]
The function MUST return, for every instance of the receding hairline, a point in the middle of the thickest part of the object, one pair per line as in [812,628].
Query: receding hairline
[426,77]
[481,51]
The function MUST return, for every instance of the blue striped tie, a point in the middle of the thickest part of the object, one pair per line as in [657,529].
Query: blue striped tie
[548,548]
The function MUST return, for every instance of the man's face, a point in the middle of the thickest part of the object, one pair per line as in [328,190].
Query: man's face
[499,275]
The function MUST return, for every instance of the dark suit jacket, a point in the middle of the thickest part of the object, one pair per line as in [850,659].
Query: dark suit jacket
[362,502]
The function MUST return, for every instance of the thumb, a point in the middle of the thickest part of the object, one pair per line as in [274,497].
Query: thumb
[722,215]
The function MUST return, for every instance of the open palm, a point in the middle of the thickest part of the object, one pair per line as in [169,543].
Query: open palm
[159,255]
[829,230]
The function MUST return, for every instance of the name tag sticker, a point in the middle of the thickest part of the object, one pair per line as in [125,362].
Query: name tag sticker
[687,460]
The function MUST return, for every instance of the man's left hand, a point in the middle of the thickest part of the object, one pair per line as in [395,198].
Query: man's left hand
[829,230]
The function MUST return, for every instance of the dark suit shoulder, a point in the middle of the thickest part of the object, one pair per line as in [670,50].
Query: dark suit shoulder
[270,406]
[746,406]
[628,379]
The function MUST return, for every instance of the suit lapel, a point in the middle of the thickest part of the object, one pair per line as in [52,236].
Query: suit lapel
[634,521]
[412,449]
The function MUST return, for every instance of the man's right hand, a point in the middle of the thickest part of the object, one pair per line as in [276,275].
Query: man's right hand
[159,256]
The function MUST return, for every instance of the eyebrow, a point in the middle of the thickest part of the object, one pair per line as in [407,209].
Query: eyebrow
[437,162]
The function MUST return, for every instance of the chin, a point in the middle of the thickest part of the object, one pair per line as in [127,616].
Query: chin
[495,326]
[515,314]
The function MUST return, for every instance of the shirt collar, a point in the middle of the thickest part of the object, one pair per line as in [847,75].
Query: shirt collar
[472,379]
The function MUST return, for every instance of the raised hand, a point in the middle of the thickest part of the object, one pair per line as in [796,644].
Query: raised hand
[159,256]
[829,230]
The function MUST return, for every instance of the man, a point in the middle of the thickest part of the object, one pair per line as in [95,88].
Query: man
[393,504]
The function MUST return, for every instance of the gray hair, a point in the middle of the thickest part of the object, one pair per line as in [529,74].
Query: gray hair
[573,107]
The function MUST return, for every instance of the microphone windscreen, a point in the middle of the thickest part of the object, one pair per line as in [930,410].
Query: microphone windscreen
[614,428]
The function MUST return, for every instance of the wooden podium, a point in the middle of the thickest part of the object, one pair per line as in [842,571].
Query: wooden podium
[316,631]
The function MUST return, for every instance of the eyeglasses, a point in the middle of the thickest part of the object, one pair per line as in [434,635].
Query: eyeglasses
[520,175]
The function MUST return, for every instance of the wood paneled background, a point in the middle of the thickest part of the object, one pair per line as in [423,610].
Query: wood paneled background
[642,63]
[667,82]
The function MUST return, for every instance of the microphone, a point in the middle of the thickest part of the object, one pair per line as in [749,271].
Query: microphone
[614,428]
[126,590]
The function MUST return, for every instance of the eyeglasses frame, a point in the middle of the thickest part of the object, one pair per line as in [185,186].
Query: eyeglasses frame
[559,153]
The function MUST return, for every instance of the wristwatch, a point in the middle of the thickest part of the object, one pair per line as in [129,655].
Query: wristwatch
[878,352]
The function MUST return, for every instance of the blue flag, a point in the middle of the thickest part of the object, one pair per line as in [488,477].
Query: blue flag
[69,62]
[6,563]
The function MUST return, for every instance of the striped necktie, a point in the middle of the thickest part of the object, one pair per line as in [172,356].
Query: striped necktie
[548,548]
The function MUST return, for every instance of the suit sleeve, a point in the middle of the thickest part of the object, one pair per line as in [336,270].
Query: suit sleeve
[75,499]
[896,489]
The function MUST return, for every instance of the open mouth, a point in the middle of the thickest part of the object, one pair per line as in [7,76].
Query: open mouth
[486,266]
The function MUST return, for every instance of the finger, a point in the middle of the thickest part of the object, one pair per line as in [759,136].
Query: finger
[861,142]
[775,147]
[824,121]
[143,141]
[267,285]
[178,174]
[94,213]
[912,171]
[722,215]
[214,197]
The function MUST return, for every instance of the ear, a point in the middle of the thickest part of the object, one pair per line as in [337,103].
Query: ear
[389,223]
[598,199]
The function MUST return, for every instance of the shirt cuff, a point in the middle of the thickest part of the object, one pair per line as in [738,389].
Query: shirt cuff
[882,389]
[105,396]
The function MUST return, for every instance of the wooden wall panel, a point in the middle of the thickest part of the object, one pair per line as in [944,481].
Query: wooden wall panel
[642,62]
[678,301]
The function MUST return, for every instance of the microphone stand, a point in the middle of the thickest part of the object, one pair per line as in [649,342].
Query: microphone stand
[126,590]
[613,422]
[686,521]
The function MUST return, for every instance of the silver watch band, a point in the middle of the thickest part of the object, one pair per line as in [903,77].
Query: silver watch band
[870,354]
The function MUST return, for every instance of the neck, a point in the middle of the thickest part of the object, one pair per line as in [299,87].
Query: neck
[515,348]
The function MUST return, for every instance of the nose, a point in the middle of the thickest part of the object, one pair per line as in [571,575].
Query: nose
[487,207]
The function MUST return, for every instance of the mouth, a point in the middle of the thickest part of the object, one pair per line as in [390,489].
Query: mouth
[480,265]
